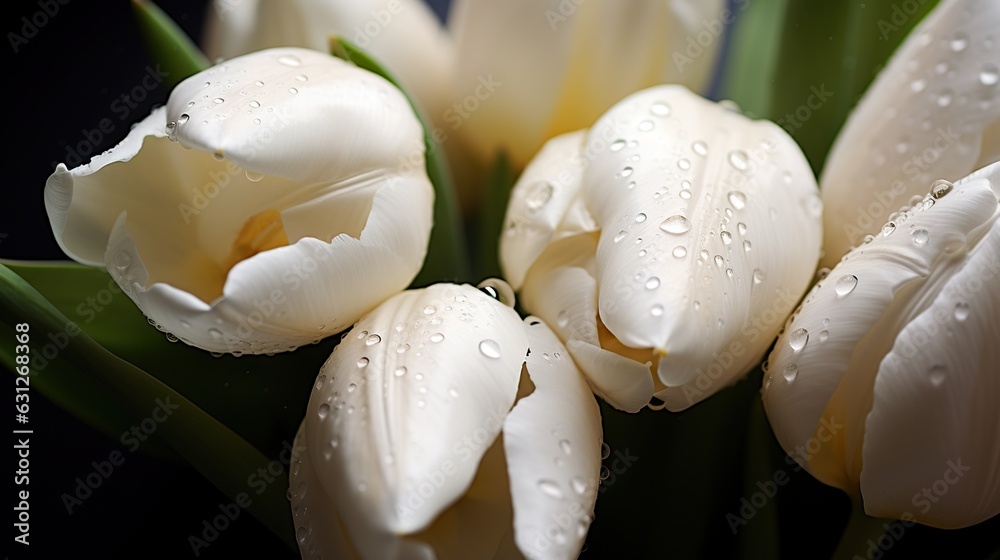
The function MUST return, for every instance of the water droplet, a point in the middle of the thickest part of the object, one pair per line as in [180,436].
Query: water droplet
[373,339]
[737,199]
[700,148]
[489,348]
[626,172]
[653,283]
[719,261]
[324,410]
[680,251]
[352,387]
[888,228]
[579,485]
[798,339]
[660,109]
[959,42]
[302,78]
[430,310]
[437,337]
[293,90]
[605,451]
[301,534]
[845,285]
[550,489]
[739,160]
[219,100]
[920,236]
[937,375]
[676,225]
[400,371]
[961,311]
[639,218]
[683,164]
[217,156]
[252,176]
[727,237]
[742,228]
[746,246]
[621,235]
[256,121]
[617,145]
[918,85]
[122,260]
[646,126]
[941,188]
[758,276]
[183,118]
[989,75]
[944,98]
[790,372]
[539,195]
[605,473]
[686,194]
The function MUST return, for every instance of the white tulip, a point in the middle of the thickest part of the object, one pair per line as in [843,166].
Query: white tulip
[675,235]
[402,34]
[510,74]
[400,454]
[885,383]
[933,112]
[272,202]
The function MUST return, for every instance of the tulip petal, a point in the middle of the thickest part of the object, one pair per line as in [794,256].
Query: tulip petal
[559,75]
[934,423]
[933,112]
[539,210]
[414,394]
[709,232]
[818,389]
[561,289]
[355,235]
[403,34]
[318,528]
[552,439]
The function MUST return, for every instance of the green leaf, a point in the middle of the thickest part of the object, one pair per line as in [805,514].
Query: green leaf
[447,255]
[827,55]
[167,43]
[219,454]
[262,398]
[491,215]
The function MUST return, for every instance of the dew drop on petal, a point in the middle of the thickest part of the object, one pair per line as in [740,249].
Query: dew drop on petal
[737,199]
[961,311]
[758,276]
[400,371]
[660,109]
[489,348]
[920,236]
[937,375]
[790,372]
[941,188]
[680,251]
[550,489]
[676,225]
[798,339]
[739,160]
[845,285]
[617,145]
[657,310]
[653,283]
[362,362]
[373,339]
[640,218]
[989,75]
[437,337]
[700,148]
[324,410]
[621,235]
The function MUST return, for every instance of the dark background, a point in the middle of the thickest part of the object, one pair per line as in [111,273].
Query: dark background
[62,83]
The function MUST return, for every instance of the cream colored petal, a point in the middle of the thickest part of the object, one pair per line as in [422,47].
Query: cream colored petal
[560,288]
[932,113]
[818,390]
[402,34]
[552,439]
[559,74]
[410,401]
[709,233]
[539,204]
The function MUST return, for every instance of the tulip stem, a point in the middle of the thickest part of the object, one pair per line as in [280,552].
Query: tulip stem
[861,533]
